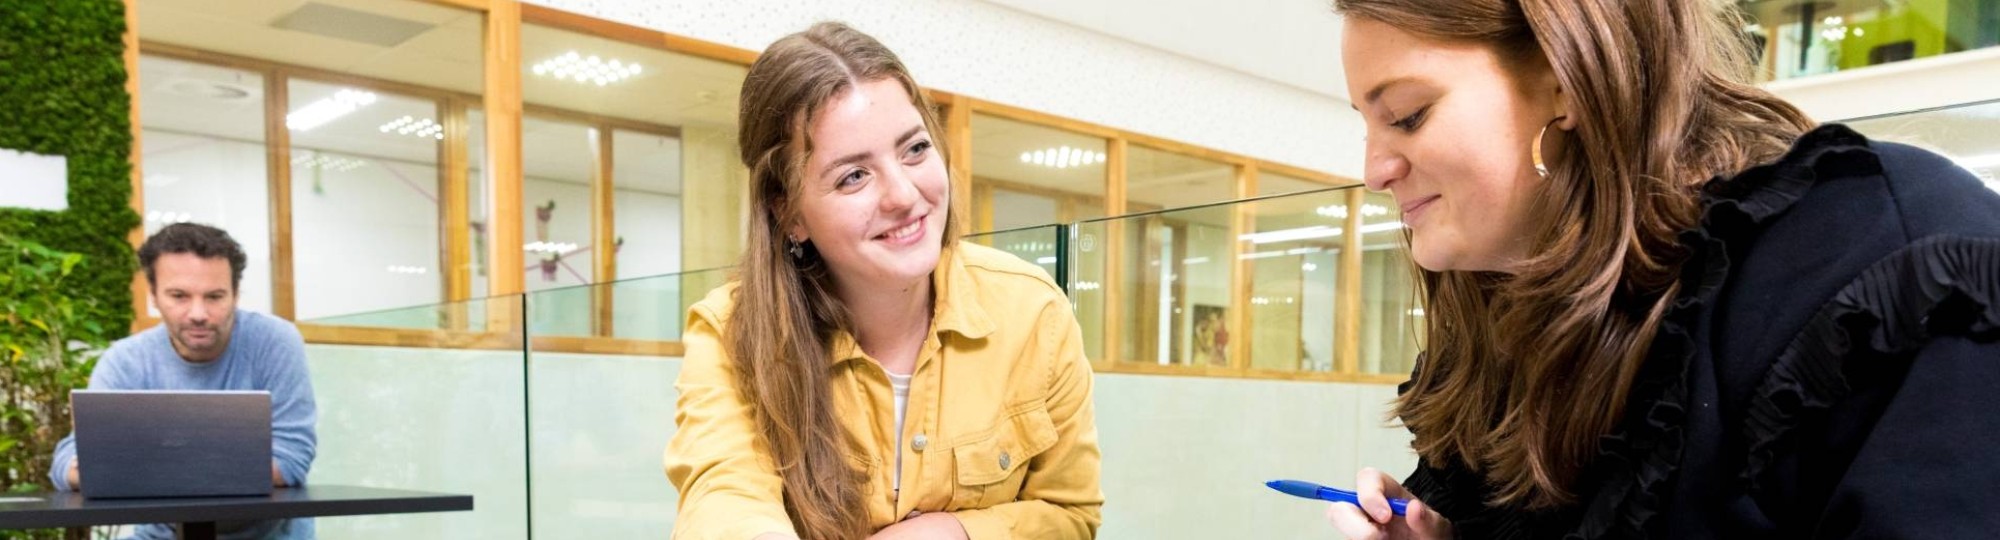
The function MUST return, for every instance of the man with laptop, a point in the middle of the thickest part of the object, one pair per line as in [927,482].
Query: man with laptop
[220,362]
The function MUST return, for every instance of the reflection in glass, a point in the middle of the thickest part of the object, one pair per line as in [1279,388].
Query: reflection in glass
[1391,319]
[1963,133]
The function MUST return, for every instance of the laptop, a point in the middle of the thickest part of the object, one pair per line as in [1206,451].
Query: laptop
[172,443]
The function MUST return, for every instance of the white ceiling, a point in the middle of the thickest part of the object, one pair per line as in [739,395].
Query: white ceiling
[1294,42]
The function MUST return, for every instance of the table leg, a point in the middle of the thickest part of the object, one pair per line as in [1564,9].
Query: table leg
[198,530]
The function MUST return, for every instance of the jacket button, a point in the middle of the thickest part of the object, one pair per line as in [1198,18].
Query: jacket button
[919,443]
[1006,461]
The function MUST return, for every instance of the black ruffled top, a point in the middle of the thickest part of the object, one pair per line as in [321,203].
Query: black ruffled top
[1830,368]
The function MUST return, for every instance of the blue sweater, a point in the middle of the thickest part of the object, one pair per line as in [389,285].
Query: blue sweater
[264,353]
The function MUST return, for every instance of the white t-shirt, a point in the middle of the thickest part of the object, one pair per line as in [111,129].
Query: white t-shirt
[901,385]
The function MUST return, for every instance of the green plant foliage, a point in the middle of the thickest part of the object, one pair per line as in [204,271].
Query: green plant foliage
[62,92]
[66,290]
[46,349]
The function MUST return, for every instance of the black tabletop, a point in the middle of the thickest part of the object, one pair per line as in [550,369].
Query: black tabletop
[70,509]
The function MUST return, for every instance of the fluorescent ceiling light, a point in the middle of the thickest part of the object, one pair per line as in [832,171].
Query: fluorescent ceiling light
[318,113]
[1062,157]
[410,125]
[575,67]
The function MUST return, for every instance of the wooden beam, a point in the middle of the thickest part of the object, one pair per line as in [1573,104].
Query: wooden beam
[408,337]
[141,290]
[455,215]
[646,37]
[502,106]
[604,345]
[982,207]
[1115,151]
[456,202]
[958,139]
[278,172]
[1347,339]
[603,232]
[1242,220]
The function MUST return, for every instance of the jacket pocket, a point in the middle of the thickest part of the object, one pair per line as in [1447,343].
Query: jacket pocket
[991,468]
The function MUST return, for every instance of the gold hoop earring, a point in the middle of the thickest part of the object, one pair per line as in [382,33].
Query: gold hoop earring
[1535,150]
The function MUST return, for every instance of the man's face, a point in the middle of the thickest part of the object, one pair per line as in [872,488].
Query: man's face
[197,300]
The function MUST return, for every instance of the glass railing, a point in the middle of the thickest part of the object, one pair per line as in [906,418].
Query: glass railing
[430,398]
[553,408]
[1794,38]
[1041,245]
[1964,133]
[1281,284]
[647,309]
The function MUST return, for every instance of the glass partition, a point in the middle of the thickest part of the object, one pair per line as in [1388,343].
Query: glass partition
[647,309]
[1292,256]
[1391,319]
[1963,133]
[419,398]
[1176,265]
[1039,245]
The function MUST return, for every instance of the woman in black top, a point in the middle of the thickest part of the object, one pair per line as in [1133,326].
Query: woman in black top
[1659,301]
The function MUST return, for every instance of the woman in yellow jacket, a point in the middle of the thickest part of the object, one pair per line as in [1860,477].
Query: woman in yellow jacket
[867,375]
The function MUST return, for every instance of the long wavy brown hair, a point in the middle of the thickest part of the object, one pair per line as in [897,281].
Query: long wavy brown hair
[786,316]
[1524,372]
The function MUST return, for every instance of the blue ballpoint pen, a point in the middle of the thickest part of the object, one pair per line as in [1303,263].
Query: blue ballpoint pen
[1311,490]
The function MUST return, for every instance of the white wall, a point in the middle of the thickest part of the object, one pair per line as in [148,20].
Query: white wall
[999,54]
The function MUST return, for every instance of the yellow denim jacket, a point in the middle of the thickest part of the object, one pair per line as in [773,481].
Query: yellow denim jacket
[999,428]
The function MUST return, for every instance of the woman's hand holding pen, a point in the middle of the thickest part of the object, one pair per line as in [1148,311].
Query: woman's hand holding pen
[1373,520]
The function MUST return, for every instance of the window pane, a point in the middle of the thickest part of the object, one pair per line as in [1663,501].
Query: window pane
[364,200]
[204,159]
[648,216]
[1026,175]
[557,159]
